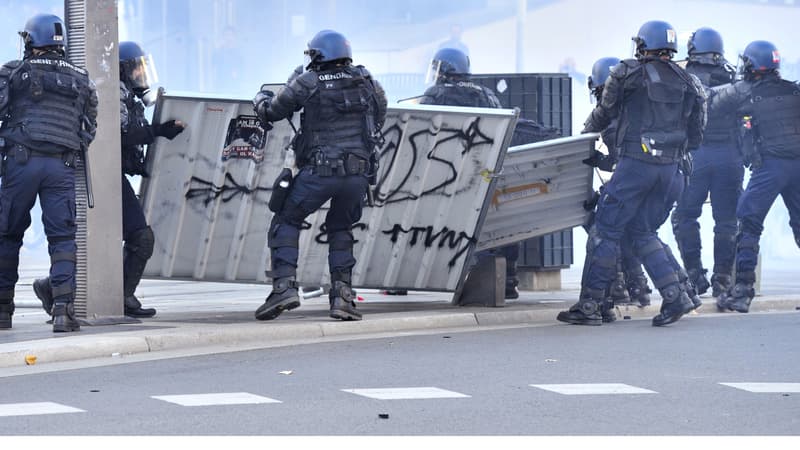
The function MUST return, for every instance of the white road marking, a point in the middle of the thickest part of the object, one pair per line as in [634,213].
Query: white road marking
[593,389]
[35,409]
[413,393]
[223,398]
[766,388]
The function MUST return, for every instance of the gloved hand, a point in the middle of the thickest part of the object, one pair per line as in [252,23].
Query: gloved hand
[601,161]
[261,100]
[169,129]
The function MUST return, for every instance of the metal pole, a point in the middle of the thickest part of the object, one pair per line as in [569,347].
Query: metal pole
[522,16]
[92,38]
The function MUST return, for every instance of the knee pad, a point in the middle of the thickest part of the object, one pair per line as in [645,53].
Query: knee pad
[141,243]
[341,240]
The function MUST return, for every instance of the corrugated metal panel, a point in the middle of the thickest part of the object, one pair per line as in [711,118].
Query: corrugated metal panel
[210,214]
[76,39]
[541,190]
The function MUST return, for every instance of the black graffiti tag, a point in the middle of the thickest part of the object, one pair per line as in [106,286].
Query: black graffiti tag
[210,192]
[452,239]
[471,137]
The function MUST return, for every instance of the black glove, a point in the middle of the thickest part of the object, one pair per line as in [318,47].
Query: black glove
[261,100]
[601,161]
[168,129]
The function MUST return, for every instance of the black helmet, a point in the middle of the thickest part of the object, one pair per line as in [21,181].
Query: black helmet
[760,56]
[448,63]
[656,35]
[44,30]
[136,68]
[601,70]
[327,46]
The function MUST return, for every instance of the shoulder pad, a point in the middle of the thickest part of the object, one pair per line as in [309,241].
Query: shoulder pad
[621,70]
[9,67]
[363,71]
[307,79]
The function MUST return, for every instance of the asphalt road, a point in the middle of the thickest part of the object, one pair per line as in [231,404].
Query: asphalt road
[478,383]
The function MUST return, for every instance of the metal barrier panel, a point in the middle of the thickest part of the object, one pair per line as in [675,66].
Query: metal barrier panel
[541,190]
[207,197]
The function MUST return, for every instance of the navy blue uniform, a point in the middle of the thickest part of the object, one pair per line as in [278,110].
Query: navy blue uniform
[343,110]
[717,170]
[774,106]
[49,109]
[661,113]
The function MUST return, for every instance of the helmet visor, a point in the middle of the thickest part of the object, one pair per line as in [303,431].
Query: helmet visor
[434,71]
[141,72]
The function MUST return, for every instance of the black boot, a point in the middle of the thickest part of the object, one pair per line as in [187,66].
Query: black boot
[6,309]
[64,320]
[720,283]
[283,297]
[737,298]
[690,289]
[588,310]
[607,311]
[342,298]
[511,289]
[133,308]
[638,290]
[674,304]
[43,291]
[618,293]
[699,280]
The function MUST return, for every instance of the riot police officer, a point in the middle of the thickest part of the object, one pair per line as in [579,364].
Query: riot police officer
[49,109]
[770,141]
[716,169]
[450,73]
[630,284]
[137,73]
[661,113]
[344,111]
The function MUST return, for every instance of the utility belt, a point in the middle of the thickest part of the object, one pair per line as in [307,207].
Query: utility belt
[22,154]
[350,164]
[645,151]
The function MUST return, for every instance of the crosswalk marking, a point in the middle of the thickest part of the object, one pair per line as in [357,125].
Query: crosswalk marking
[223,398]
[411,393]
[593,389]
[766,388]
[35,409]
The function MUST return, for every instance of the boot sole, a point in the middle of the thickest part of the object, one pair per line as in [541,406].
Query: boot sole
[61,329]
[571,321]
[137,314]
[343,315]
[275,311]
[5,325]
[673,318]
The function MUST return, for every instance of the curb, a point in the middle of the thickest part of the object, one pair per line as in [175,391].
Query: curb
[72,348]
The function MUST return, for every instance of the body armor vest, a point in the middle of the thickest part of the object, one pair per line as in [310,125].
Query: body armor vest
[49,97]
[461,93]
[339,118]
[776,111]
[133,155]
[655,120]
[720,127]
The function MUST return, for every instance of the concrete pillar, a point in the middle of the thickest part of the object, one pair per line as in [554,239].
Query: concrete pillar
[92,40]
[539,280]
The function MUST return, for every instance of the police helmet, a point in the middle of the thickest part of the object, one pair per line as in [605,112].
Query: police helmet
[327,46]
[448,63]
[705,40]
[656,35]
[601,70]
[760,56]
[136,68]
[43,31]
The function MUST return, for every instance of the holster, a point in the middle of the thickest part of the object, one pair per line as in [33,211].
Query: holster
[280,190]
